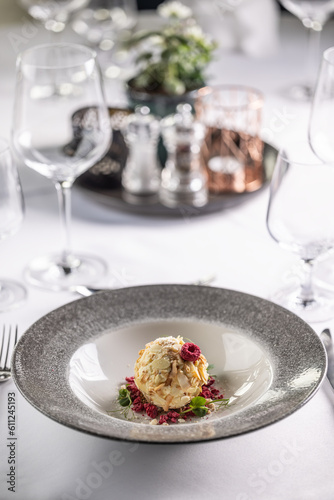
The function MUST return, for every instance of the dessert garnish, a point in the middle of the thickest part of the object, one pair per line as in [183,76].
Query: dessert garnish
[190,352]
[171,383]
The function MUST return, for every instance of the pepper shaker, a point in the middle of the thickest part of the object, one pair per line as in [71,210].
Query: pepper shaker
[183,180]
[141,175]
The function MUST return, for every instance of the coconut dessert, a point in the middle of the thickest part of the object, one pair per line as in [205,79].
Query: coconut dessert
[170,372]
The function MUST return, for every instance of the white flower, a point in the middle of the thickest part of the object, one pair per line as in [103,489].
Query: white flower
[196,32]
[174,9]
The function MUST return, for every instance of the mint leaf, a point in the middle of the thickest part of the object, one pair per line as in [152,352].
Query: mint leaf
[124,397]
[124,401]
[197,402]
[200,411]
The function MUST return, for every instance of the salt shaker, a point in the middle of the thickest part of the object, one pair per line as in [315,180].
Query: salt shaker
[183,180]
[141,175]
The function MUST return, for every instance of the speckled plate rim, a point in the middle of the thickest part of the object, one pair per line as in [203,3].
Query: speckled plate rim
[41,358]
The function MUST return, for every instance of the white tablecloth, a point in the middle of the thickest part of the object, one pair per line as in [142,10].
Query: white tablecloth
[292,459]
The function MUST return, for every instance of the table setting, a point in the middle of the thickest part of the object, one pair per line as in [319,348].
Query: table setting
[181,214]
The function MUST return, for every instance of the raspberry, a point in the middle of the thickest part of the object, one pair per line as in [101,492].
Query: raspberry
[163,419]
[173,416]
[151,410]
[190,352]
[138,407]
[210,382]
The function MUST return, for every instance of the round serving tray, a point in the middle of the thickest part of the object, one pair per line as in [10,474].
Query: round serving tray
[117,198]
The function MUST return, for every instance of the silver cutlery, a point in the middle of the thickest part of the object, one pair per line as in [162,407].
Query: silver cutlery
[327,340]
[86,291]
[8,342]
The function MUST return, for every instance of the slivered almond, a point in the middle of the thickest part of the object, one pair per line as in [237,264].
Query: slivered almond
[167,401]
[169,398]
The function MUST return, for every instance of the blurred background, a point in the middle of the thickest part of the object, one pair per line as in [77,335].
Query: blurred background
[11,11]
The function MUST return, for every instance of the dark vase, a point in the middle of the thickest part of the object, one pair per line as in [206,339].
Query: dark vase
[160,104]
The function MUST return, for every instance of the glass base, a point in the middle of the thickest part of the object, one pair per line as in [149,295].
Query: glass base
[174,199]
[50,272]
[317,310]
[12,294]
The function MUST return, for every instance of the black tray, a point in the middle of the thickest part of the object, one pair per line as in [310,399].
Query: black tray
[115,197]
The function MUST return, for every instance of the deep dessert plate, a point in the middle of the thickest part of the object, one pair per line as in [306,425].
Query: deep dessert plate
[71,363]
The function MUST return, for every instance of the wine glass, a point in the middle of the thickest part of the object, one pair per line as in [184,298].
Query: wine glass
[53,14]
[299,219]
[106,25]
[11,216]
[53,82]
[313,14]
[321,124]
[321,135]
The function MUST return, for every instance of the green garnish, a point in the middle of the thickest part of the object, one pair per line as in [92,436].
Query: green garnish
[222,402]
[124,397]
[125,401]
[210,367]
[198,405]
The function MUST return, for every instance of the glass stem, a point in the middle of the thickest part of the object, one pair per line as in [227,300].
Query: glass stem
[64,201]
[312,56]
[306,292]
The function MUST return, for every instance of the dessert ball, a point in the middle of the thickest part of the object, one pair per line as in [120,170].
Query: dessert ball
[170,372]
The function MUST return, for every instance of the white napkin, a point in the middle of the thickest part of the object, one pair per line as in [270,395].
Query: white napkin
[247,25]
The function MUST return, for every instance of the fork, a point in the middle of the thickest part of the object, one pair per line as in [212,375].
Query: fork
[8,342]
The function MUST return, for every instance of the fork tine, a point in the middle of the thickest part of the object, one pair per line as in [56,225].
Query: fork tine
[13,344]
[8,344]
[2,344]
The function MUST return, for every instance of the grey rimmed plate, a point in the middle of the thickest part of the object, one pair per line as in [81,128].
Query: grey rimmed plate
[70,364]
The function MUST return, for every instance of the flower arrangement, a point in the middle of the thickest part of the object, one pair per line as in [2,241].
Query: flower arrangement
[172,60]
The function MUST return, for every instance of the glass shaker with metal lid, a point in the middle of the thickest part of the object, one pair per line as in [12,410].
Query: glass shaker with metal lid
[141,175]
[183,180]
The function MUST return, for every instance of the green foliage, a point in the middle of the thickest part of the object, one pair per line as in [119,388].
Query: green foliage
[198,405]
[124,397]
[173,60]
[125,401]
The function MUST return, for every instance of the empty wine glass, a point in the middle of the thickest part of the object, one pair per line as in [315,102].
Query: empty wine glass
[321,135]
[313,14]
[53,14]
[106,25]
[11,216]
[299,219]
[321,124]
[53,82]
